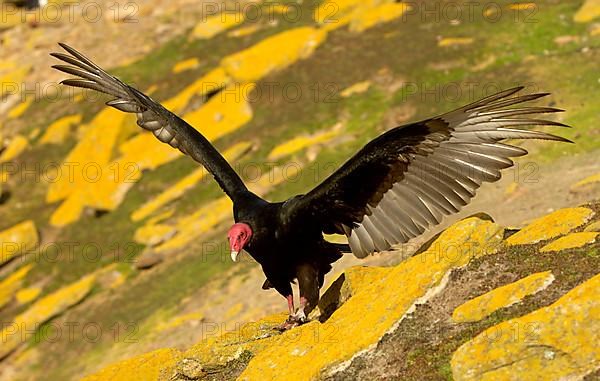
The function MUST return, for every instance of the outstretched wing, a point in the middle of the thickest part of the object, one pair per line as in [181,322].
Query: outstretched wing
[152,116]
[408,178]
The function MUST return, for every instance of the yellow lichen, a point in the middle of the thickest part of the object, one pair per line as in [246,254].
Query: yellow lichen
[27,295]
[330,12]
[588,180]
[110,181]
[17,145]
[144,151]
[153,235]
[357,88]
[214,79]
[172,193]
[593,227]
[206,218]
[558,342]
[233,311]
[18,240]
[244,31]
[501,297]
[222,347]
[588,11]
[570,241]
[522,6]
[368,18]
[280,8]
[213,25]
[301,142]
[223,113]
[189,64]
[34,133]
[297,355]
[12,81]
[552,225]
[304,351]
[20,109]
[273,53]
[93,150]
[179,320]
[11,284]
[274,177]
[511,189]
[140,368]
[451,41]
[58,131]
[41,311]
[69,211]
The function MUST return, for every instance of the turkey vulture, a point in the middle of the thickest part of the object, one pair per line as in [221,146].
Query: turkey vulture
[392,190]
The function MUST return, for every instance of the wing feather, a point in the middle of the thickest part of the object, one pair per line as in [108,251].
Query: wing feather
[409,178]
[151,115]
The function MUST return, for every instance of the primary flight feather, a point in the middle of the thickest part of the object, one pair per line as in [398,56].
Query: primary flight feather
[393,189]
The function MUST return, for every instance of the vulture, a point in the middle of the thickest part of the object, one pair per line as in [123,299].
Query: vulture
[393,189]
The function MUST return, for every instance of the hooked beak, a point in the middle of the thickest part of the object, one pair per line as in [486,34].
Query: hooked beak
[234,255]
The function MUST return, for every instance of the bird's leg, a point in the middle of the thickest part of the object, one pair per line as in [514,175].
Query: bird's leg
[308,282]
[290,322]
[290,301]
[300,315]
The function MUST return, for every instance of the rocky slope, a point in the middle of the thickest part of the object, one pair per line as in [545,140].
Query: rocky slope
[478,302]
[129,255]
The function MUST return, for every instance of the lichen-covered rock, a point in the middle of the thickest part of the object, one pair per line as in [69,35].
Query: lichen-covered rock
[27,295]
[174,192]
[273,53]
[367,303]
[223,347]
[330,11]
[18,240]
[297,355]
[58,131]
[213,25]
[571,241]
[558,342]
[593,227]
[20,109]
[453,41]
[93,150]
[364,19]
[11,284]
[244,31]
[200,222]
[357,88]
[501,297]
[179,320]
[15,333]
[582,184]
[522,6]
[552,225]
[301,142]
[189,64]
[223,113]
[141,368]
[214,79]
[588,11]
[17,145]
[154,234]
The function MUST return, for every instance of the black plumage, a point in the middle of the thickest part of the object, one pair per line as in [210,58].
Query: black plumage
[392,190]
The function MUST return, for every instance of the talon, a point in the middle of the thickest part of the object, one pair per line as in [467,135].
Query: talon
[300,316]
[289,323]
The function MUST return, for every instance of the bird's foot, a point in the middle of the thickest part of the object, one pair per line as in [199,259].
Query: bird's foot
[292,321]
